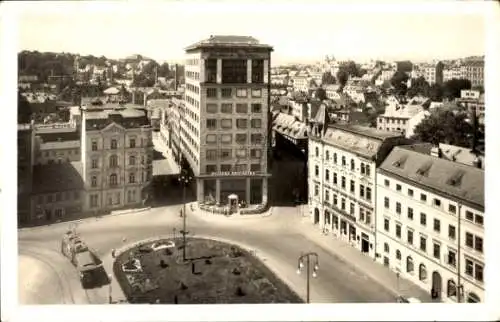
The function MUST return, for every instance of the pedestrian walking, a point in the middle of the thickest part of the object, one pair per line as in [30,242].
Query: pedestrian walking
[113,253]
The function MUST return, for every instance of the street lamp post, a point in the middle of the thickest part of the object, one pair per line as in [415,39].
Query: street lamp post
[184,179]
[300,265]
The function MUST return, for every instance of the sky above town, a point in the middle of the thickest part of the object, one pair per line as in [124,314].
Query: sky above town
[298,33]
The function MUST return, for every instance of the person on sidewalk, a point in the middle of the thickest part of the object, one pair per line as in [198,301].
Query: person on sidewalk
[113,253]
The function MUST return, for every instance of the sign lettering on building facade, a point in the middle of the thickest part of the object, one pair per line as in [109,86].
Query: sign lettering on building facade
[233,173]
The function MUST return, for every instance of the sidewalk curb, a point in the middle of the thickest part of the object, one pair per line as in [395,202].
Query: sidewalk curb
[351,261]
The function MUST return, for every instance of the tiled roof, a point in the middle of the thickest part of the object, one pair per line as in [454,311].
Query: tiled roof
[459,154]
[337,136]
[57,177]
[288,125]
[98,119]
[460,181]
[367,131]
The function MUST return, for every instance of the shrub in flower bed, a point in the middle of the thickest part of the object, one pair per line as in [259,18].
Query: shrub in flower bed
[232,276]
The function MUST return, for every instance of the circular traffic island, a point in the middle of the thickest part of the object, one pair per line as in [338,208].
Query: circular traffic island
[213,273]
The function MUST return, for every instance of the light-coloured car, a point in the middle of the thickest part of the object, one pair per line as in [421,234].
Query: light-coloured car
[162,245]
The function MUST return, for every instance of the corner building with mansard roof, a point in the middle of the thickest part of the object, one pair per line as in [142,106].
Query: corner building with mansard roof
[342,166]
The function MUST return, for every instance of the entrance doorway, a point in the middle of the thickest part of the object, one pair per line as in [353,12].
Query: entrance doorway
[365,245]
[436,285]
[316,216]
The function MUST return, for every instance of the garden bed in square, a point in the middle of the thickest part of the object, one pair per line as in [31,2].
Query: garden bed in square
[213,273]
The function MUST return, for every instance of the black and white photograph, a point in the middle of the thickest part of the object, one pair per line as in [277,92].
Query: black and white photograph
[179,153]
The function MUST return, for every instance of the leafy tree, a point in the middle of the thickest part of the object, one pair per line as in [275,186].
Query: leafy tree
[436,93]
[479,88]
[398,81]
[351,69]
[342,77]
[320,93]
[328,78]
[419,87]
[445,127]
[452,88]
[163,70]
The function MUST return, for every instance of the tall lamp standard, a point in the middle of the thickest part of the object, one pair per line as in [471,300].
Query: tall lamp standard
[184,179]
[300,265]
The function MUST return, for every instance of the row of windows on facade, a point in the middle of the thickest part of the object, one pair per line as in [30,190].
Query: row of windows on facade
[473,270]
[58,197]
[364,168]
[191,127]
[239,138]
[113,144]
[193,75]
[365,215]
[227,108]
[191,101]
[234,71]
[364,192]
[192,88]
[186,111]
[393,121]
[54,153]
[228,124]
[113,179]
[187,148]
[227,154]
[113,161]
[187,136]
[436,202]
[230,92]
[473,242]
[94,198]
[255,167]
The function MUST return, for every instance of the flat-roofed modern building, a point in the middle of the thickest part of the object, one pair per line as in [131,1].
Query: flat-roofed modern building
[224,127]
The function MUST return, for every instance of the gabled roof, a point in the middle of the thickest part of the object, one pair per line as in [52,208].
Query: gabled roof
[458,181]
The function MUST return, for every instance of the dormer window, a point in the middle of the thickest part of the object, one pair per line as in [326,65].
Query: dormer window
[424,169]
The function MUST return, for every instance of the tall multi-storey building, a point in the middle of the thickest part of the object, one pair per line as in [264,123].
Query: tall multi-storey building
[225,118]
[342,164]
[473,71]
[117,156]
[433,73]
[430,217]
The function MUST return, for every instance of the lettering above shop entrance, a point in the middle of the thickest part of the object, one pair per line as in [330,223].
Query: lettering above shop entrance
[233,173]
